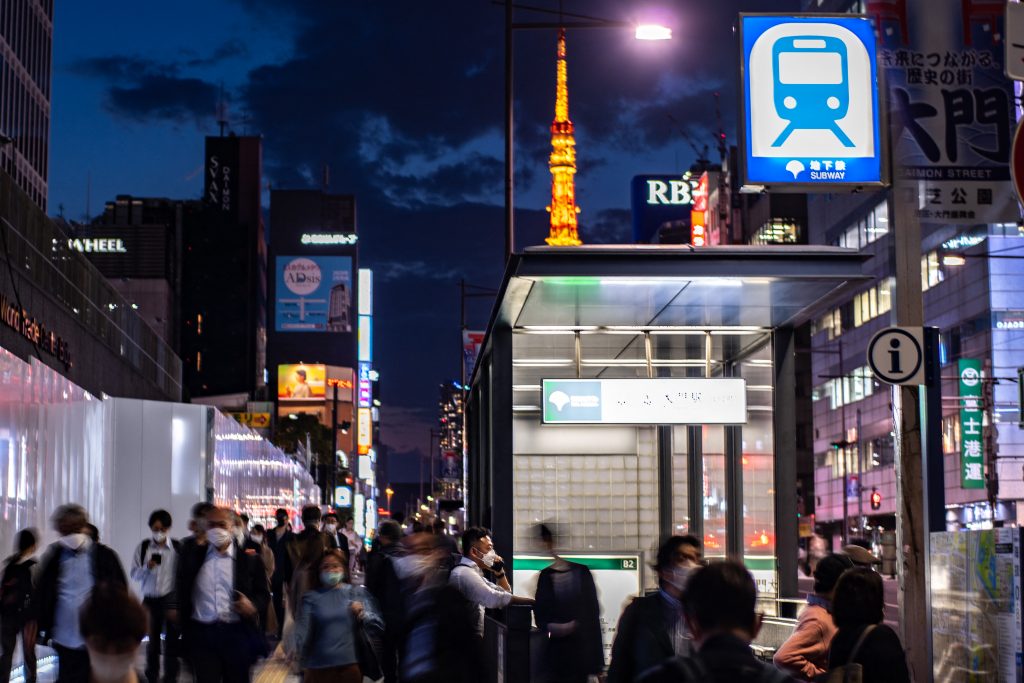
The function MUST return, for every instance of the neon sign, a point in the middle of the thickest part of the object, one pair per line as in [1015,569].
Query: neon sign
[327,239]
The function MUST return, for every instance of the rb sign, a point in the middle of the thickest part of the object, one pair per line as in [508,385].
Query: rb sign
[811,102]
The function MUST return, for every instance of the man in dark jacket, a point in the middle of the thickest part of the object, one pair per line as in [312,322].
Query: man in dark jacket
[651,629]
[221,591]
[67,574]
[382,582]
[277,540]
[719,604]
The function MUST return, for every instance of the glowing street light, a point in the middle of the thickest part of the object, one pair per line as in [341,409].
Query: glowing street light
[653,32]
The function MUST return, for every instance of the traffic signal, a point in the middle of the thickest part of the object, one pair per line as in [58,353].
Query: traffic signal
[876,499]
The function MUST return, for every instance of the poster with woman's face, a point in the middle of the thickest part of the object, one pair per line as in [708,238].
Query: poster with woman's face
[301,382]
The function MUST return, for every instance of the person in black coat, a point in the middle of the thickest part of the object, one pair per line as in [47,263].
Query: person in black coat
[67,574]
[858,605]
[221,593]
[567,610]
[277,540]
[17,608]
[651,629]
[382,581]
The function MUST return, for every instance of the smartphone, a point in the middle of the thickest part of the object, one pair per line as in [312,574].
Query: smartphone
[157,559]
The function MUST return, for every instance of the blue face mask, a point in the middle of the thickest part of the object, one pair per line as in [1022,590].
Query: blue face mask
[331,578]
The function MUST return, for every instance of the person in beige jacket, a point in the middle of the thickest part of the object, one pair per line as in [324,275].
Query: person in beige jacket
[804,655]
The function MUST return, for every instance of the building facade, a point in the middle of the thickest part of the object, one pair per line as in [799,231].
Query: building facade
[26,40]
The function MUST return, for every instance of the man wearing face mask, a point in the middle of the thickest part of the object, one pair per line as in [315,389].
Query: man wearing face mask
[277,541]
[221,593]
[67,574]
[478,556]
[652,629]
[153,570]
[113,624]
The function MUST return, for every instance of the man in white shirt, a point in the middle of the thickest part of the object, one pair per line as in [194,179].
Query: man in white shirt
[478,556]
[153,570]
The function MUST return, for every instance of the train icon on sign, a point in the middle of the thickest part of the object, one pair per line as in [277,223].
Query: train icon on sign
[811,83]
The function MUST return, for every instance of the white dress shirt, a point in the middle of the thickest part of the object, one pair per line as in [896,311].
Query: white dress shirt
[214,589]
[159,581]
[470,581]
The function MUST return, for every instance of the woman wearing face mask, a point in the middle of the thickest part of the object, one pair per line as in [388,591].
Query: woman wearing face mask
[567,609]
[328,619]
[112,623]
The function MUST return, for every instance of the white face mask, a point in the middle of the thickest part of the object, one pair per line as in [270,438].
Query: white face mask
[256,538]
[239,534]
[107,668]
[489,558]
[159,536]
[680,575]
[218,537]
[74,541]
[331,528]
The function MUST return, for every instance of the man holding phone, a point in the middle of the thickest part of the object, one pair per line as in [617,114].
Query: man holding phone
[153,571]
[221,593]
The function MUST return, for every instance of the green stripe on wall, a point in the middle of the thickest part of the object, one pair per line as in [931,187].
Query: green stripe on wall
[615,563]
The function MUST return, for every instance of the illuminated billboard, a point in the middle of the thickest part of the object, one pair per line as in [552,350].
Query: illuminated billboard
[313,294]
[301,382]
[364,431]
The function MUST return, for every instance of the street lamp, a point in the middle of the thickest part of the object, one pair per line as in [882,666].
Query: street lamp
[390,492]
[642,32]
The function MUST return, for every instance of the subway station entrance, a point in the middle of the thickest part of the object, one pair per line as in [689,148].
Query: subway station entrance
[633,454]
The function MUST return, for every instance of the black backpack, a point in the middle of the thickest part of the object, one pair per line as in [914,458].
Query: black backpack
[691,670]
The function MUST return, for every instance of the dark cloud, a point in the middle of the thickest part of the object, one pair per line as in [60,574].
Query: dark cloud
[230,49]
[121,68]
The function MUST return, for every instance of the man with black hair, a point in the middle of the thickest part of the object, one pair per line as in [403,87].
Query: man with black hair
[277,541]
[382,582]
[651,629]
[113,624]
[153,569]
[805,652]
[718,605]
[195,524]
[478,556]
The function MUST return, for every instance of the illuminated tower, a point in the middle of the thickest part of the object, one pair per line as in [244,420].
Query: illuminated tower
[563,207]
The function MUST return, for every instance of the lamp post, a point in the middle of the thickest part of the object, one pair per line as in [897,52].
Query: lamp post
[390,492]
[642,32]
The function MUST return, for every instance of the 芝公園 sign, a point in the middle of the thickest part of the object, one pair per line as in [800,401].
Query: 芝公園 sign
[972,444]
[645,401]
[950,107]
[811,104]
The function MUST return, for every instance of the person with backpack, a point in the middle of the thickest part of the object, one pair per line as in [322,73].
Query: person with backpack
[652,629]
[718,605]
[17,609]
[862,642]
[153,571]
[805,653]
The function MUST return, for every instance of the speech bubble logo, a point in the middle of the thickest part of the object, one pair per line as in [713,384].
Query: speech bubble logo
[560,399]
[795,167]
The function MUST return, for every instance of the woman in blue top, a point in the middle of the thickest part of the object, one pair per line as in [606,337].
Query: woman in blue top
[328,618]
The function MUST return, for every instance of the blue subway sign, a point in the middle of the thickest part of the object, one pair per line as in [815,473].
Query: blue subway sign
[811,101]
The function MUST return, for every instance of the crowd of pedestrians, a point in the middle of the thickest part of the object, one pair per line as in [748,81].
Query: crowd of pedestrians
[231,593]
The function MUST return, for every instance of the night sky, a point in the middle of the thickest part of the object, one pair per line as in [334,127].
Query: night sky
[403,101]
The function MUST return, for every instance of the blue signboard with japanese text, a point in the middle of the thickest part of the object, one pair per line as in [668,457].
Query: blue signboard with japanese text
[950,107]
[313,294]
[811,101]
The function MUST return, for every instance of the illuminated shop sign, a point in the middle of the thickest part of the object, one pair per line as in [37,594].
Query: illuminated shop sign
[1008,320]
[699,213]
[365,396]
[97,245]
[658,201]
[963,242]
[318,239]
[364,430]
[47,341]
[645,401]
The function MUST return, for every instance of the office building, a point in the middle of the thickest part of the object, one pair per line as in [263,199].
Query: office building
[26,39]
[224,262]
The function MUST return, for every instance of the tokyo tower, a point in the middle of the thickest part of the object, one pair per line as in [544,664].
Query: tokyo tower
[562,163]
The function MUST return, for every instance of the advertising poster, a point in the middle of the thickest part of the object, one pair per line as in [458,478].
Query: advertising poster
[301,382]
[618,579]
[471,343]
[313,294]
[950,106]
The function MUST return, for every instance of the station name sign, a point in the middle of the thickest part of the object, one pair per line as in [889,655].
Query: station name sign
[645,401]
[328,238]
[97,245]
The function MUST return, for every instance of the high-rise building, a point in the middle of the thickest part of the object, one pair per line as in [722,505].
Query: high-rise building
[26,39]
[562,162]
[224,268]
[450,443]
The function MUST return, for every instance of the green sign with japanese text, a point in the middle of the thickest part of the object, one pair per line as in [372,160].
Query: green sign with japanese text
[972,449]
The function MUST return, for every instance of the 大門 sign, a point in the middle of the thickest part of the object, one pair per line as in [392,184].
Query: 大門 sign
[645,401]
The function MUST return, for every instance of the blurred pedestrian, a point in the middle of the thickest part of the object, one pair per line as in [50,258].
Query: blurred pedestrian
[113,624]
[256,544]
[858,609]
[67,574]
[804,655]
[333,529]
[383,584]
[334,620]
[302,555]
[277,541]
[18,608]
[154,568]
[652,628]
[354,543]
[221,593]
[861,556]
[478,556]
[568,611]
[718,604]
[93,531]
[195,524]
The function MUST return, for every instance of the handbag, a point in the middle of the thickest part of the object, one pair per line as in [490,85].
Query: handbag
[367,652]
[851,672]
